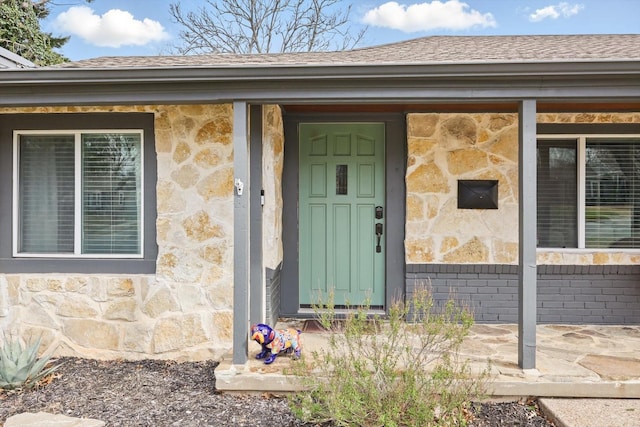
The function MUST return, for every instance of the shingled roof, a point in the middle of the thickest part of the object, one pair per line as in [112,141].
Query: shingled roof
[426,50]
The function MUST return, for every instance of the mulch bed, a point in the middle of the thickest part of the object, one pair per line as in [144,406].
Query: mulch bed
[163,393]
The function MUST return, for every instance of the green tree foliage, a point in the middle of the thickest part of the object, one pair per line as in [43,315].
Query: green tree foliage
[20,31]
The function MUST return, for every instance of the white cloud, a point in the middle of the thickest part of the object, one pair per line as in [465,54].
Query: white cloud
[113,29]
[556,11]
[447,15]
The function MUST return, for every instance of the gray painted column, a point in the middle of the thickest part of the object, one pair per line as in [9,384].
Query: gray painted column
[527,217]
[241,244]
[257,290]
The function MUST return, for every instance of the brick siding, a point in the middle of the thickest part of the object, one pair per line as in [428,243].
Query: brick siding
[569,294]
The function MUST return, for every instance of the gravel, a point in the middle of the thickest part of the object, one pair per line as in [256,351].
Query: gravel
[165,393]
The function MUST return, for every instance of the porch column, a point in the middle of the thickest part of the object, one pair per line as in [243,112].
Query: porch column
[527,213]
[241,244]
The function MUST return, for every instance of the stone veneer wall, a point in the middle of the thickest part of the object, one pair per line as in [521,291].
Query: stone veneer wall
[272,166]
[183,312]
[443,148]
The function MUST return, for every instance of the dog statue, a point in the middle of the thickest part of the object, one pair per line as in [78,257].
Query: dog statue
[274,342]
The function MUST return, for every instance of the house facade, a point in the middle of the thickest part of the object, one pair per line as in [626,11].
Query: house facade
[155,207]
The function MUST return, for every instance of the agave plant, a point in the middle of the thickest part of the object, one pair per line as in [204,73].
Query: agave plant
[20,366]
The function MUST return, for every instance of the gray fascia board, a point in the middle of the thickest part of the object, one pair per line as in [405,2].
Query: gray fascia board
[342,83]
[180,94]
[313,71]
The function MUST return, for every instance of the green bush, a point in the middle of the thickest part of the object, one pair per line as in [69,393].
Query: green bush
[20,366]
[400,370]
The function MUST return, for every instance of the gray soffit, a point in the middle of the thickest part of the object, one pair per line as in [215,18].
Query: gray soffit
[430,69]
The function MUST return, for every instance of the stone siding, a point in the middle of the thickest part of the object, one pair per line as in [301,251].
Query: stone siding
[272,166]
[185,310]
[443,148]
[567,294]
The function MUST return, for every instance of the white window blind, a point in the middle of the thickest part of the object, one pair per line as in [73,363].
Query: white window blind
[79,193]
[111,195]
[612,193]
[557,193]
[46,202]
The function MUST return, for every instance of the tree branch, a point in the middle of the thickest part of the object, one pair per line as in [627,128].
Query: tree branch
[262,26]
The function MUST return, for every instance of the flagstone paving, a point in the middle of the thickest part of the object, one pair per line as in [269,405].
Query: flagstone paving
[571,361]
[595,354]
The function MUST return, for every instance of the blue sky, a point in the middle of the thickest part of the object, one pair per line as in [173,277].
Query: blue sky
[144,27]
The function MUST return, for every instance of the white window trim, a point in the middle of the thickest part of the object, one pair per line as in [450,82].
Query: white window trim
[77,194]
[581,146]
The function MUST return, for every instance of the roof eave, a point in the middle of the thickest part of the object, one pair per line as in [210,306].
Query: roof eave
[313,71]
[321,83]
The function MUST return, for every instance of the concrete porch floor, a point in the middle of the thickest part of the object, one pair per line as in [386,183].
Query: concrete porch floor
[572,361]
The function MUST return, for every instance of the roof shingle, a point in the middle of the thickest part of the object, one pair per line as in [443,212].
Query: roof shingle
[426,50]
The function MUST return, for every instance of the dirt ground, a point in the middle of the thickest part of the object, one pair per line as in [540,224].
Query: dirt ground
[162,393]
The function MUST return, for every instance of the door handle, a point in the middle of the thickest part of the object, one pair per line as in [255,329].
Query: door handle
[378,237]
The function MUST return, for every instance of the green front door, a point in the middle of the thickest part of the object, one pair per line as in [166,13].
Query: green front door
[341,213]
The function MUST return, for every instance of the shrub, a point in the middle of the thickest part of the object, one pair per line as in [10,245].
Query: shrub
[398,370]
[20,366]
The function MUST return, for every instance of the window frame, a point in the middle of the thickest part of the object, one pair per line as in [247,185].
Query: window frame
[581,165]
[111,122]
[78,205]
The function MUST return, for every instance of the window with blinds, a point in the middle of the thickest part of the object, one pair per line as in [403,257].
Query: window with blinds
[111,196]
[557,193]
[612,193]
[588,192]
[79,193]
[46,194]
